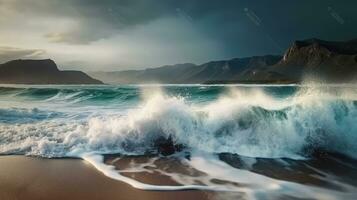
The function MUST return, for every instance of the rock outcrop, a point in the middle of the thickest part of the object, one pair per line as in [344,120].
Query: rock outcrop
[40,72]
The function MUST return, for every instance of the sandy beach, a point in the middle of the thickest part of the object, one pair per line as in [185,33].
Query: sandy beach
[37,178]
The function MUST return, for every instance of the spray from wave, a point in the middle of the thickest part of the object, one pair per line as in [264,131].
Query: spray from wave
[247,122]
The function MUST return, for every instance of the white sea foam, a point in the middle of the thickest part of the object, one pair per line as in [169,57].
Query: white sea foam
[250,123]
[252,185]
[97,162]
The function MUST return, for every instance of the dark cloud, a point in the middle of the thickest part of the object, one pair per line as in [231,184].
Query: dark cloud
[281,21]
[100,19]
[241,27]
[11,53]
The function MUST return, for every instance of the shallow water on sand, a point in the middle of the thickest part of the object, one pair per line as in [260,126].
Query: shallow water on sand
[256,142]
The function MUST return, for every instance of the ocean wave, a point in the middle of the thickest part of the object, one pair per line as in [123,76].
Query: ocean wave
[246,122]
[23,115]
[71,95]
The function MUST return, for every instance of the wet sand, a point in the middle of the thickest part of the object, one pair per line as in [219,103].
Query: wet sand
[31,178]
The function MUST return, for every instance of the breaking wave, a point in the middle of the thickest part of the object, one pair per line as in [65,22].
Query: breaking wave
[220,135]
[250,122]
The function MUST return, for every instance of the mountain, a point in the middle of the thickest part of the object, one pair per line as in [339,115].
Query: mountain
[325,60]
[228,70]
[164,74]
[333,62]
[40,72]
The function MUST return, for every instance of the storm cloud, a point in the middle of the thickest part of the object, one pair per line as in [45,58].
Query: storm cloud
[10,53]
[127,34]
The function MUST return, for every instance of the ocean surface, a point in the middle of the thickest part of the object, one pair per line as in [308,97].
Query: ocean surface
[246,141]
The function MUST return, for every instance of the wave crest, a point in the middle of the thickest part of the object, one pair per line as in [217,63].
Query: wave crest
[246,122]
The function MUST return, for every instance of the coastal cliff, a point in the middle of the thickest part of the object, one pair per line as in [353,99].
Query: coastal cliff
[41,72]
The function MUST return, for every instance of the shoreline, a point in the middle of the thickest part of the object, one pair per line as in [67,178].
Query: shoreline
[33,178]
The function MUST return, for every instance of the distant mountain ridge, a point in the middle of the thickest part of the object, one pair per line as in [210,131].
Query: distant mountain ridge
[334,62]
[40,72]
[326,60]
[188,72]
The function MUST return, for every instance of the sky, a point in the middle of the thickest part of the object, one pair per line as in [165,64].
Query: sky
[110,35]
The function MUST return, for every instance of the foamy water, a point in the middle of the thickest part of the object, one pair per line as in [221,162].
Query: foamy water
[205,121]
